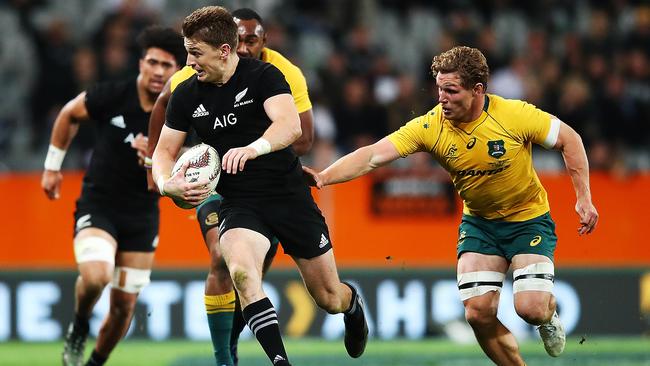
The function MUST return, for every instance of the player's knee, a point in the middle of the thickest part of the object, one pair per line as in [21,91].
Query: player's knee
[131,280]
[532,288]
[480,313]
[95,281]
[246,284]
[217,264]
[534,312]
[218,276]
[534,307]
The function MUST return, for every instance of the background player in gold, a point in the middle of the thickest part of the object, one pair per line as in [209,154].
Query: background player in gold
[485,143]
[224,314]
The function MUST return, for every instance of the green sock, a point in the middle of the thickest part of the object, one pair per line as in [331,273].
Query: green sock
[220,310]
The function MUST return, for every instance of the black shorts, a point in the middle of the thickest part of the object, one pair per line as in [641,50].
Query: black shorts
[295,220]
[207,213]
[134,231]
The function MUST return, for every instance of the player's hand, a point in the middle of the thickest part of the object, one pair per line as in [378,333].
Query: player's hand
[51,183]
[312,177]
[588,216]
[191,192]
[235,159]
[140,144]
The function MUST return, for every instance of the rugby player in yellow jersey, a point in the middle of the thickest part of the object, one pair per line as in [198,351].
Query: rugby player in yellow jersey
[485,142]
[223,312]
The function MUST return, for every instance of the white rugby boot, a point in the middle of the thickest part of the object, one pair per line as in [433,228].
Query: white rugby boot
[74,346]
[553,336]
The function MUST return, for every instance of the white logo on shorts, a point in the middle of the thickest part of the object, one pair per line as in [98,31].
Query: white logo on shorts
[84,221]
[323,241]
[154,244]
[118,121]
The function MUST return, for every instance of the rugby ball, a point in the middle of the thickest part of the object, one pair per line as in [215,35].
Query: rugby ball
[205,165]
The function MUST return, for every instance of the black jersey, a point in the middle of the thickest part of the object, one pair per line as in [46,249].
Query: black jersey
[114,173]
[232,115]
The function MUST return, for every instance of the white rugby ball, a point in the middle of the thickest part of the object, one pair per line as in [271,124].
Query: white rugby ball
[205,165]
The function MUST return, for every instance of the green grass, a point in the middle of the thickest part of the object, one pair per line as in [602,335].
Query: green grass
[315,352]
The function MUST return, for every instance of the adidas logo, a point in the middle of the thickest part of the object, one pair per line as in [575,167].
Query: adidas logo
[278,358]
[200,111]
[323,241]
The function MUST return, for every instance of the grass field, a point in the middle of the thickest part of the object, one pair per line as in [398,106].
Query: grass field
[314,352]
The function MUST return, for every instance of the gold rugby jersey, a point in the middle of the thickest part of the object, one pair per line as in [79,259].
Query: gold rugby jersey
[489,159]
[291,72]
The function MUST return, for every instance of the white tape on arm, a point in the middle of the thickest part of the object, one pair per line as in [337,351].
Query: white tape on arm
[553,133]
[261,145]
[54,158]
[161,185]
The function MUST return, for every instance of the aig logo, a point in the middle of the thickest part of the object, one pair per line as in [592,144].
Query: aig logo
[226,119]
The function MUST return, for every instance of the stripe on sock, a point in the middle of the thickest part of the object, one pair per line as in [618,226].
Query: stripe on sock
[220,303]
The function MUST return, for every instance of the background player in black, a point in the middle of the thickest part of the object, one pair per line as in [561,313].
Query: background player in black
[219,294]
[264,192]
[116,229]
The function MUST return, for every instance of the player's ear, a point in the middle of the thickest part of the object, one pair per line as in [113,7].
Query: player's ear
[478,88]
[224,51]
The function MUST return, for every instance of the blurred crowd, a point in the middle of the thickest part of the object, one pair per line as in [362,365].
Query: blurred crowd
[367,65]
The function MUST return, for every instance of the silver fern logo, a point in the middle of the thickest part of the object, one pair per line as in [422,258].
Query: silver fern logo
[238,99]
[240,95]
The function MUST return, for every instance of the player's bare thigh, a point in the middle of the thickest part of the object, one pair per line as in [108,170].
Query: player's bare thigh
[139,260]
[471,262]
[100,269]
[527,300]
[244,251]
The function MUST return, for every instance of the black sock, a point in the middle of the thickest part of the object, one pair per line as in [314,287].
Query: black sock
[353,301]
[96,359]
[238,324]
[263,321]
[81,324]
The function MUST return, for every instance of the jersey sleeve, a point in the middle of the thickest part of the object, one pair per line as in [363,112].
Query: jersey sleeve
[273,83]
[416,135]
[102,99]
[298,85]
[175,116]
[535,125]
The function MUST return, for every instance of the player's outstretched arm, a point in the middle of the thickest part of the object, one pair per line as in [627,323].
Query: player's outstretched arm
[65,128]
[575,159]
[156,122]
[355,164]
[283,131]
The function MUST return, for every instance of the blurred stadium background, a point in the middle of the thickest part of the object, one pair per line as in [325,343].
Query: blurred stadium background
[367,66]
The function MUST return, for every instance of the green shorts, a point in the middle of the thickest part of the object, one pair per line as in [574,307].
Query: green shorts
[507,239]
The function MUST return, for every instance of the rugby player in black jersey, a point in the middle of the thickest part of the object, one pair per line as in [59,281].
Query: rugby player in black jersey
[224,315]
[116,217]
[250,118]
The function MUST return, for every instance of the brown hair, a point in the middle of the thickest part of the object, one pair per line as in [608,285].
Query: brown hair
[470,64]
[213,25]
